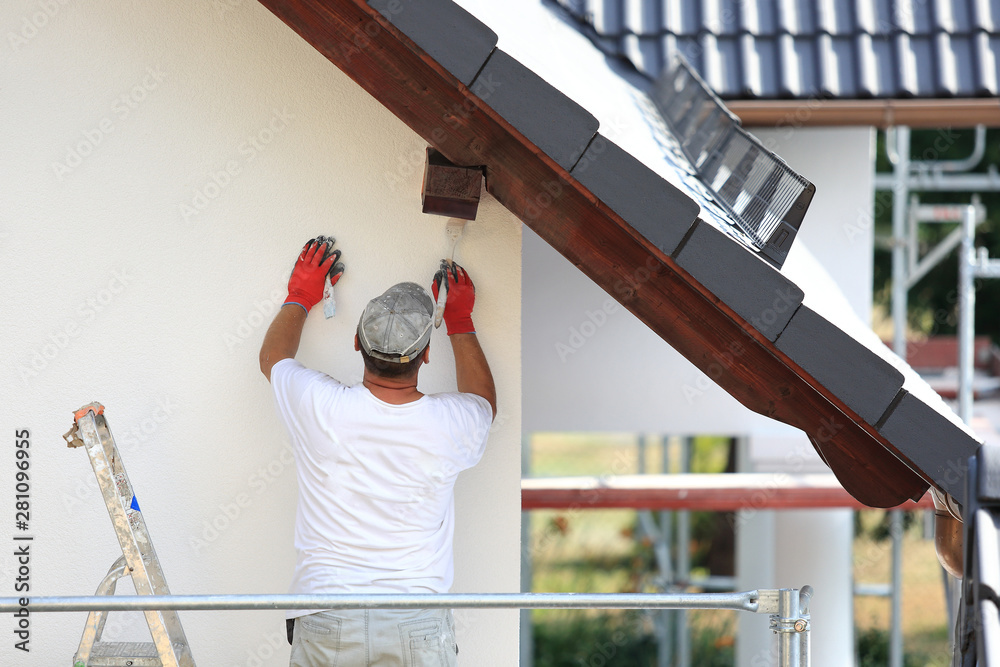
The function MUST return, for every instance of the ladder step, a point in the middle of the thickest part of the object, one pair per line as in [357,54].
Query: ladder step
[127,654]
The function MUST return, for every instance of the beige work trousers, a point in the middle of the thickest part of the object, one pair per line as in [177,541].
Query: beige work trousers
[375,638]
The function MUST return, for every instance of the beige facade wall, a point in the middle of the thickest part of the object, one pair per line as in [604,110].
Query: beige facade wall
[163,163]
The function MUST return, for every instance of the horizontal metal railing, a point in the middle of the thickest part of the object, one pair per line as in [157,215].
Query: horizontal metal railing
[746,601]
[787,607]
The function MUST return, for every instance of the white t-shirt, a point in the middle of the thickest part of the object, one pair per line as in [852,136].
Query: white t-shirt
[376,502]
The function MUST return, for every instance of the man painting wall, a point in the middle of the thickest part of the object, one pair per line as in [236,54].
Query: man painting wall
[376,464]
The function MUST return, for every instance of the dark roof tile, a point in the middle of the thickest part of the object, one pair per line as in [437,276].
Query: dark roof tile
[453,37]
[931,441]
[547,117]
[815,48]
[752,288]
[647,202]
[987,14]
[865,382]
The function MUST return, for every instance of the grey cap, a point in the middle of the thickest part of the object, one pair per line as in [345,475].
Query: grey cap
[397,325]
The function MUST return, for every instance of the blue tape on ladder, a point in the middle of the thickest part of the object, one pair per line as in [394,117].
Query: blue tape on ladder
[135,504]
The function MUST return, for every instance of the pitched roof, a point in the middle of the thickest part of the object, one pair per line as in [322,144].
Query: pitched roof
[773,49]
[733,315]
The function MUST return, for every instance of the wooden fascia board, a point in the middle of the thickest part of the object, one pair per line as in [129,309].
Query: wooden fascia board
[566,215]
[929,113]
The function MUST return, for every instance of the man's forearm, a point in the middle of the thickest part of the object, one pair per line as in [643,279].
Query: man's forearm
[282,338]
[471,369]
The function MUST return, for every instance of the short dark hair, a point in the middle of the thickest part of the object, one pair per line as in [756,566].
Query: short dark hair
[393,369]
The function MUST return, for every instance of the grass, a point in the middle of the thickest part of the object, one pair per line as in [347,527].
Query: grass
[596,551]
[925,632]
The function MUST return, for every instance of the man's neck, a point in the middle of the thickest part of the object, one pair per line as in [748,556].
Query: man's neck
[394,391]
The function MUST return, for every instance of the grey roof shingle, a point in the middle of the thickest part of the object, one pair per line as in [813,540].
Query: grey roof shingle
[456,39]
[808,48]
[552,121]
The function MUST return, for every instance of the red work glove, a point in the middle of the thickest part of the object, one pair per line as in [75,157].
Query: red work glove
[461,297]
[317,260]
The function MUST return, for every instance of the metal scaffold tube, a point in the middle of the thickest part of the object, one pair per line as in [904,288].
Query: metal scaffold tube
[788,607]
[745,601]
[966,313]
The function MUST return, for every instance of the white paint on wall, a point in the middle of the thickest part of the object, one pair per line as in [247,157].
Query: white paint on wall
[163,164]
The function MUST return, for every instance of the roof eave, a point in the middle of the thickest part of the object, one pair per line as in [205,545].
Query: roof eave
[882,113]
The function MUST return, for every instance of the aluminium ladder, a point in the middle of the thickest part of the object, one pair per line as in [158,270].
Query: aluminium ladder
[169,647]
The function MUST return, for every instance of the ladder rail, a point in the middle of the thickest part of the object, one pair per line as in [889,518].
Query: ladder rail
[139,558]
[94,628]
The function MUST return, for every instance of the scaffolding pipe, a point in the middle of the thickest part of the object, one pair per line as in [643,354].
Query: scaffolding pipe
[789,643]
[966,315]
[527,643]
[900,198]
[964,164]
[684,561]
[896,597]
[744,601]
[942,182]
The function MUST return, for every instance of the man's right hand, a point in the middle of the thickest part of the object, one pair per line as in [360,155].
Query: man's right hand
[461,297]
[317,260]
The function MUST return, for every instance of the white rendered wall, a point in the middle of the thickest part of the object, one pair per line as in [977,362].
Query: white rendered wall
[163,163]
[591,365]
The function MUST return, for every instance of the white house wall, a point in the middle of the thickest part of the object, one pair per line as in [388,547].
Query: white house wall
[163,163]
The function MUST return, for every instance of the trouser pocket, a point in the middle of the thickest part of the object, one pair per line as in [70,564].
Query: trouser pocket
[316,641]
[428,643]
